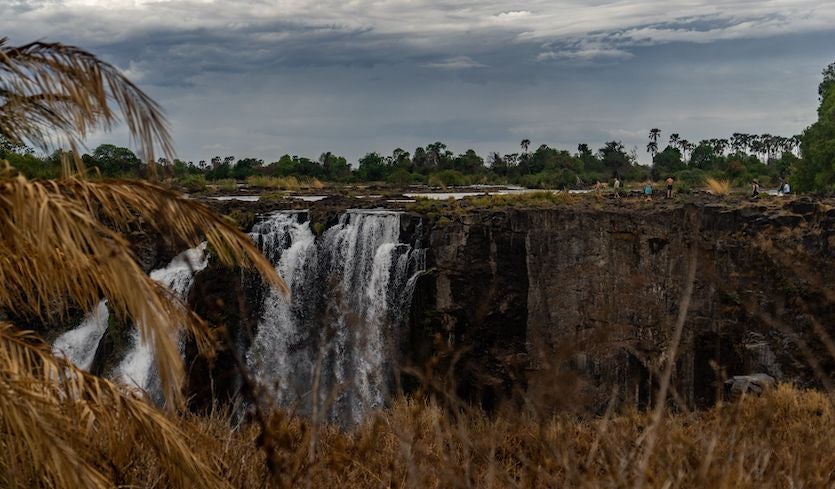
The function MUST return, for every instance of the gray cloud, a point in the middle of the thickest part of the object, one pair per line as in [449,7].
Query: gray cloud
[262,77]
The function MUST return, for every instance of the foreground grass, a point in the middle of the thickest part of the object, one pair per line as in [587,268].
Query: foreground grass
[782,439]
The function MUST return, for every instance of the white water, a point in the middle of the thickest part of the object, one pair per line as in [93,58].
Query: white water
[242,198]
[79,345]
[137,368]
[461,195]
[328,349]
[288,243]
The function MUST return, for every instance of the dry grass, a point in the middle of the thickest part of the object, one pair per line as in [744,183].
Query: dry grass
[284,183]
[782,439]
[718,187]
[226,184]
[281,183]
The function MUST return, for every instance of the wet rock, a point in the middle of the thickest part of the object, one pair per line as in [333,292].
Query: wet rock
[750,384]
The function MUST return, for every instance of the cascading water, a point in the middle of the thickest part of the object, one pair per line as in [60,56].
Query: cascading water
[79,345]
[137,368]
[328,348]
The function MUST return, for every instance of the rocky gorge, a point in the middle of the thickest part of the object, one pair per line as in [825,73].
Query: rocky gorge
[567,305]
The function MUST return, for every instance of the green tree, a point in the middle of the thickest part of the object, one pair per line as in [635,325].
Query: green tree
[468,163]
[704,156]
[816,171]
[372,167]
[334,167]
[614,158]
[114,161]
[667,163]
[246,167]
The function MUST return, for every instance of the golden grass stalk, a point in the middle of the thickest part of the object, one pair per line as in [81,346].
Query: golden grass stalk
[283,183]
[719,187]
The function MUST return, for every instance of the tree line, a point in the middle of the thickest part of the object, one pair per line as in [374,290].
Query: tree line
[806,160]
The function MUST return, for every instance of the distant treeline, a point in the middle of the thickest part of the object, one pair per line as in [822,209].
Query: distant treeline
[544,167]
[738,159]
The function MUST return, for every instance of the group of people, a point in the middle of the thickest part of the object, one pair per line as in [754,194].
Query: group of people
[647,187]
[669,188]
[783,189]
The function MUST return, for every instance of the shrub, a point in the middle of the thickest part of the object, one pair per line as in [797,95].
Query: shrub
[227,184]
[447,178]
[719,187]
[400,177]
[192,183]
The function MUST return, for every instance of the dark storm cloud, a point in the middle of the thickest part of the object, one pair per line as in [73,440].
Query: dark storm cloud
[263,78]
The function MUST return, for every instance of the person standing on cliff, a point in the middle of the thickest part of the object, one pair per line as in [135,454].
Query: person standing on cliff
[648,189]
[617,187]
[755,188]
[669,182]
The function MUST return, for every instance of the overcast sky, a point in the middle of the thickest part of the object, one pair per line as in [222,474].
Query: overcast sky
[263,78]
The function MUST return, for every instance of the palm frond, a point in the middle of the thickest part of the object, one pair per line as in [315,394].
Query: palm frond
[63,425]
[51,87]
[55,249]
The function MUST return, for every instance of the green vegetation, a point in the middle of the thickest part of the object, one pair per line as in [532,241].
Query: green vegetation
[816,171]
[738,159]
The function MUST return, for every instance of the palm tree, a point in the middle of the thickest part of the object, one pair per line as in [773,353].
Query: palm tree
[737,142]
[61,247]
[654,134]
[525,144]
[674,138]
[685,146]
[652,148]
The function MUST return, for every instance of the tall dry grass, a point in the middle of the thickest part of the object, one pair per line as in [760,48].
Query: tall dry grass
[284,183]
[781,439]
[718,187]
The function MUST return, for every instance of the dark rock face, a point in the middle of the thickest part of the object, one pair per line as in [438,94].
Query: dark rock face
[229,300]
[580,303]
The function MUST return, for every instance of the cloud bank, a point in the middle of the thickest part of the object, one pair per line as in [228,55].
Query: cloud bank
[263,77]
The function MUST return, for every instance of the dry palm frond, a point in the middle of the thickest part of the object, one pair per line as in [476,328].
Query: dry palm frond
[49,88]
[54,249]
[67,428]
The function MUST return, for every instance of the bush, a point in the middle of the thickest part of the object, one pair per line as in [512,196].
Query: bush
[192,183]
[690,178]
[227,184]
[399,177]
[447,178]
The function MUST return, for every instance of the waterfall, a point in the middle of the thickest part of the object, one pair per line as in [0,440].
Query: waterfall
[329,349]
[137,368]
[287,241]
[79,345]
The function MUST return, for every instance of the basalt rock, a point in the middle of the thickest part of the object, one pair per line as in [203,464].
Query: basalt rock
[576,302]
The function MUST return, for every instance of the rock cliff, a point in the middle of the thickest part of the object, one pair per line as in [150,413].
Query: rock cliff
[575,303]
